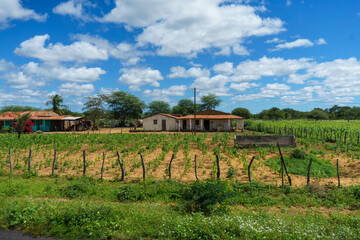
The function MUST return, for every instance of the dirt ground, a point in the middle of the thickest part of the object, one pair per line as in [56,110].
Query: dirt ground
[183,166]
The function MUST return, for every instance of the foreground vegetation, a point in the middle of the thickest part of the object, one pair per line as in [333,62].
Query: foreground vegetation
[88,208]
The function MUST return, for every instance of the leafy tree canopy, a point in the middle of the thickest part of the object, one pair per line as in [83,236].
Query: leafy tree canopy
[56,103]
[125,106]
[158,107]
[13,108]
[185,107]
[242,112]
[95,107]
[210,101]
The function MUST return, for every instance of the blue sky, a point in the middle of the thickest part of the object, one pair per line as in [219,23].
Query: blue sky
[251,53]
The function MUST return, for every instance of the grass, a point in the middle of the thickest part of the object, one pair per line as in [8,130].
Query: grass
[297,163]
[89,208]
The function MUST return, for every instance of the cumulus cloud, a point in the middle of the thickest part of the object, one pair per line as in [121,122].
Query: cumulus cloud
[33,75]
[85,48]
[266,67]
[165,93]
[188,27]
[194,72]
[5,65]
[80,75]
[74,89]
[226,68]
[302,42]
[241,87]
[78,51]
[137,77]
[216,85]
[13,10]
[72,8]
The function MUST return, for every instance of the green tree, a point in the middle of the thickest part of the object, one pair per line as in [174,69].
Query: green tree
[20,123]
[318,113]
[210,101]
[95,107]
[275,114]
[125,106]
[56,103]
[13,108]
[242,112]
[185,107]
[158,107]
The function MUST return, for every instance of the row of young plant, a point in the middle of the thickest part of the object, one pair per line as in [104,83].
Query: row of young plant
[69,148]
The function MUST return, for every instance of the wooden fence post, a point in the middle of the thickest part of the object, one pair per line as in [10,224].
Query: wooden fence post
[282,159]
[172,157]
[282,173]
[121,166]
[218,167]
[102,166]
[196,176]
[84,159]
[308,173]
[53,165]
[11,165]
[249,173]
[143,166]
[29,161]
[338,172]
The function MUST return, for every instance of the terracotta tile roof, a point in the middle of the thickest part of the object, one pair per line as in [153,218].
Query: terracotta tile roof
[35,115]
[229,116]
[176,116]
[211,114]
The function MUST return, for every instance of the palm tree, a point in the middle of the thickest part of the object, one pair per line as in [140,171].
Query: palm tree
[56,102]
[20,123]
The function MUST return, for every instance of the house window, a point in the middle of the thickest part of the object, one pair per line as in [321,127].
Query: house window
[155,121]
[197,122]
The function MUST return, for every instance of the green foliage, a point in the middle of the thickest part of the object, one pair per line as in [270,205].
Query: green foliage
[231,173]
[80,187]
[210,101]
[299,165]
[125,106]
[242,112]
[206,197]
[299,153]
[158,107]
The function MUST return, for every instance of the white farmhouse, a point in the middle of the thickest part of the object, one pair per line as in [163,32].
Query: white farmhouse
[162,122]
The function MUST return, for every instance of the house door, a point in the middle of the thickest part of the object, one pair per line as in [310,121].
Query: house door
[184,125]
[163,125]
[207,125]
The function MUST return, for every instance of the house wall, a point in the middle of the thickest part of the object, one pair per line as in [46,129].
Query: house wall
[172,124]
[223,124]
[43,125]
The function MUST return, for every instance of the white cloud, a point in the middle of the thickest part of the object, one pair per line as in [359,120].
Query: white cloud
[74,89]
[274,40]
[78,51]
[269,91]
[253,70]
[61,73]
[226,68]
[33,75]
[108,90]
[72,8]
[12,9]
[137,77]
[288,2]
[21,97]
[5,65]
[194,72]
[243,86]
[321,41]
[188,27]
[295,44]
[216,85]
[166,93]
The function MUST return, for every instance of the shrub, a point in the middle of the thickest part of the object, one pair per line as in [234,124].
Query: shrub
[231,173]
[80,187]
[206,197]
[299,153]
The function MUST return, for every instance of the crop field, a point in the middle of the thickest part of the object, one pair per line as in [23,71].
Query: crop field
[72,206]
